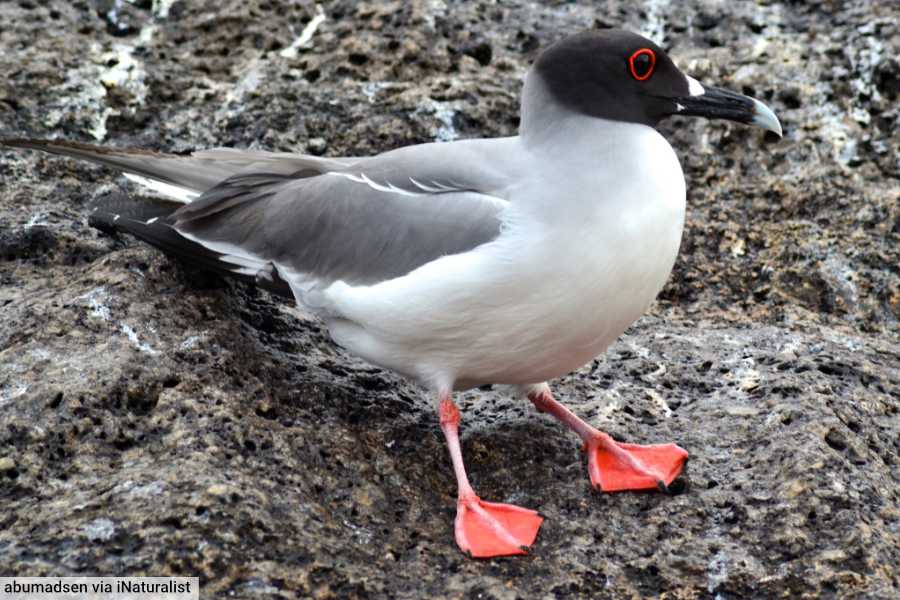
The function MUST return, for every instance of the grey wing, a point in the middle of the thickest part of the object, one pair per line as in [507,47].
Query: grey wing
[347,225]
[363,220]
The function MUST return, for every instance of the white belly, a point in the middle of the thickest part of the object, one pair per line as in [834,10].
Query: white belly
[603,293]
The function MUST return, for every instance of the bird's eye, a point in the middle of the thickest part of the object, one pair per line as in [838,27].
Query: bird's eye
[641,64]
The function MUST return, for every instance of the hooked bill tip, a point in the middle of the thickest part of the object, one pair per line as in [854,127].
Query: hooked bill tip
[765,118]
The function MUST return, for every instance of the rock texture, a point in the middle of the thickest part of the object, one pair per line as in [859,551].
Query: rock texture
[157,420]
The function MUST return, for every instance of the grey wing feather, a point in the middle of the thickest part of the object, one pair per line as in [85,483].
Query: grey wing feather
[362,223]
[334,227]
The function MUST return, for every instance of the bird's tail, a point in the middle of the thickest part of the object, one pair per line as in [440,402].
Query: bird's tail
[181,179]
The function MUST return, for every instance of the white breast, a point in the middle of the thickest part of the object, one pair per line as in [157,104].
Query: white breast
[608,246]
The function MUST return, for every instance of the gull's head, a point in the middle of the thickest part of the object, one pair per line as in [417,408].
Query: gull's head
[619,75]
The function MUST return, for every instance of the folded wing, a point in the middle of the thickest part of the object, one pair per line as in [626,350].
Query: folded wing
[342,225]
[292,222]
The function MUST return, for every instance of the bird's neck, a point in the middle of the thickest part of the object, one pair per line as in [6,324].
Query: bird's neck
[549,127]
[540,112]
[587,165]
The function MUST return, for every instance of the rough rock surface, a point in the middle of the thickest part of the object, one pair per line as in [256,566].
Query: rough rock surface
[155,420]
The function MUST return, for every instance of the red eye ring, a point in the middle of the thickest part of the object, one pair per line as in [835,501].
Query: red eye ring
[633,57]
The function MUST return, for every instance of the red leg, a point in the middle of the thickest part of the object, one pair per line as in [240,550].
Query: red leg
[484,529]
[615,466]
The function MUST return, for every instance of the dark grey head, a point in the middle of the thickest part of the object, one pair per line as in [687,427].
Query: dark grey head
[619,75]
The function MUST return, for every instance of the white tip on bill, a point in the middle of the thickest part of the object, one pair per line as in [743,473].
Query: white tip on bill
[765,118]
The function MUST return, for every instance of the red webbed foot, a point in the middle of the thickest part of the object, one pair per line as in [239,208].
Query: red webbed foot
[616,466]
[486,529]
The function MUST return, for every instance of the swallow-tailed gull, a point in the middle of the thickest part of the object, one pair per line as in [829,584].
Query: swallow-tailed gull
[509,260]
